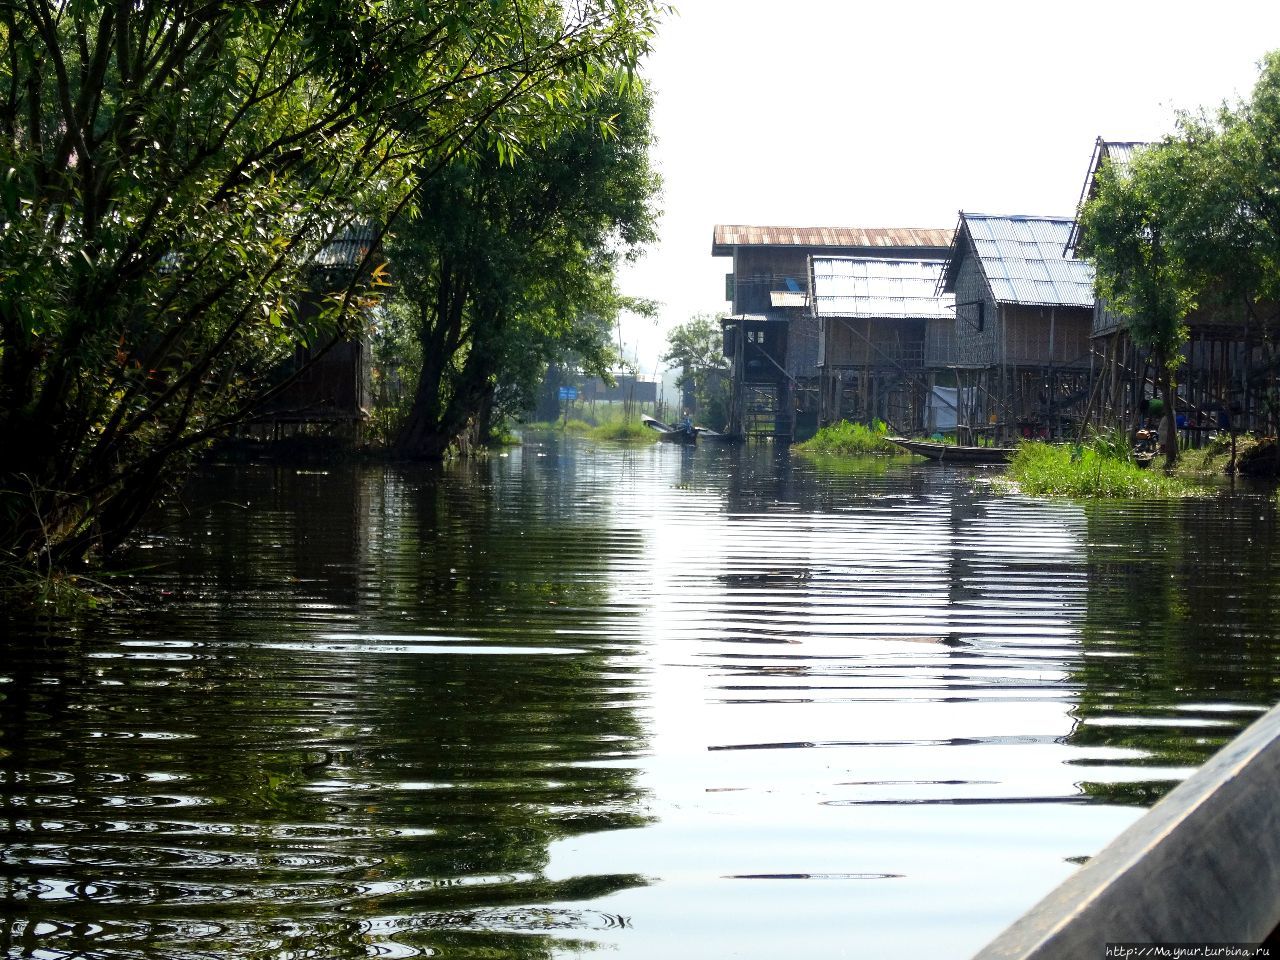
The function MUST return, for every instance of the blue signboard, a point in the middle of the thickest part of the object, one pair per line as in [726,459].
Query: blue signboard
[568,393]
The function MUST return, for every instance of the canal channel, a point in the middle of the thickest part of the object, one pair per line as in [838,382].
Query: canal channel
[641,701]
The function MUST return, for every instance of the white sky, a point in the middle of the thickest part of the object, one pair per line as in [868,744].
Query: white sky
[846,113]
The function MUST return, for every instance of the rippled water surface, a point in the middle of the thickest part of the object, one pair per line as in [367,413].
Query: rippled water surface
[657,702]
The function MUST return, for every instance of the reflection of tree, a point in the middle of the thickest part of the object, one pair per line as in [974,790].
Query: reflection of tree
[1182,607]
[228,778]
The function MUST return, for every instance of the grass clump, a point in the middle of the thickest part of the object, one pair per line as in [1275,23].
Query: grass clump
[629,431]
[849,439]
[615,424]
[1050,470]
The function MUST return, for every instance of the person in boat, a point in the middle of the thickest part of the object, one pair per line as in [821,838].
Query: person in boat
[685,424]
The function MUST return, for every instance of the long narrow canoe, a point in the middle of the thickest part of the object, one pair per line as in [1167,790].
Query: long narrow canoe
[954,453]
[669,433]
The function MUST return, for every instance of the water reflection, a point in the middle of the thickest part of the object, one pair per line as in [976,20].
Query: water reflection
[186,777]
[664,701]
[1180,642]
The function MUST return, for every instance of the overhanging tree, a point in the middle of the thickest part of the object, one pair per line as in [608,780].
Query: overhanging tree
[1229,217]
[168,172]
[511,263]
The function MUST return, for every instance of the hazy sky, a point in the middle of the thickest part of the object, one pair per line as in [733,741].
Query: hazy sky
[813,113]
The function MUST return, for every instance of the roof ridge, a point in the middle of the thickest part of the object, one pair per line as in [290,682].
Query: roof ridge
[853,256]
[966,214]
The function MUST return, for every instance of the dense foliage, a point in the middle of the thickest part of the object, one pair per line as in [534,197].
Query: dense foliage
[1194,223]
[169,174]
[510,265]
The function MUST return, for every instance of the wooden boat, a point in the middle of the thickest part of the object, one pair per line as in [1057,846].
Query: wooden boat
[954,453]
[670,434]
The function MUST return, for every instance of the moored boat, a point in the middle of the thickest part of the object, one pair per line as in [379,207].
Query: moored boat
[954,453]
[670,434]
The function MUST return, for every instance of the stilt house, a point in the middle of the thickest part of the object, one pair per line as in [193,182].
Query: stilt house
[1024,313]
[330,386]
[772,337]
[884,334]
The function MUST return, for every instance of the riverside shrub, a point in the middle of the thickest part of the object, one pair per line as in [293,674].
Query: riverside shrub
[1042,469]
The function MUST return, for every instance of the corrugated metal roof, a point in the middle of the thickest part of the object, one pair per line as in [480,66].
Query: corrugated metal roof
[1023,260]
[879,288]
[1120,154]
[346,249]
[736,235]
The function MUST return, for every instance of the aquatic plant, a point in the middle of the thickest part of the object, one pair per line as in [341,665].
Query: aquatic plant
[32,591]
[504,436]
[1043,469]
[850,439]
[627,430]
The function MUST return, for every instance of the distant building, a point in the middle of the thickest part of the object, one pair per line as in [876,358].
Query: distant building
[1024,314]
[561,386]
[772,337]
[884,334]
[627,388]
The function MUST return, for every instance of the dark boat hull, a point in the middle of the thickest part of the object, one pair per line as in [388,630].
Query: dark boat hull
[670,434]
[953,453]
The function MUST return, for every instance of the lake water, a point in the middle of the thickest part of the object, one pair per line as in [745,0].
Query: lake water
[650,702]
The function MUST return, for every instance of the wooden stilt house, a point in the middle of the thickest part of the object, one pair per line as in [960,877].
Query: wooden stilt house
[772,338]
[1224,374]
[884,333]
[326,385]
[1024,314]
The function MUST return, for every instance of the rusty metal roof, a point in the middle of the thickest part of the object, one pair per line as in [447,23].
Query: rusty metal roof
[1023,260]
[727,236]
[879,288]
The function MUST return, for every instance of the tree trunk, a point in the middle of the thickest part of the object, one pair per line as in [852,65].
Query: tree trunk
[420,436]
[484,418]
[1169,421]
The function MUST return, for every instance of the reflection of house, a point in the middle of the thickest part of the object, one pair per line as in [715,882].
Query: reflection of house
[1024,312]
[327,383]
[884,334]
[768,286]
[1222,369]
